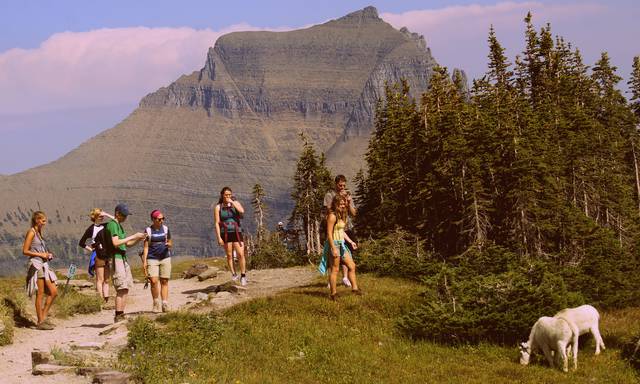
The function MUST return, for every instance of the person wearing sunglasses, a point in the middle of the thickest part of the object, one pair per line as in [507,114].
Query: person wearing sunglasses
[156,260]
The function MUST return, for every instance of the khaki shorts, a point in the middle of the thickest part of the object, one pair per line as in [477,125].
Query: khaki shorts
[122,278]
[159,268]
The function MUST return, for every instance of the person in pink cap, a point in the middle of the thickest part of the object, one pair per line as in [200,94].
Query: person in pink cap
[156,260]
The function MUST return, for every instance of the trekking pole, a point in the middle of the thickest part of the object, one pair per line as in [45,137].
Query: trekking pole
[70,274]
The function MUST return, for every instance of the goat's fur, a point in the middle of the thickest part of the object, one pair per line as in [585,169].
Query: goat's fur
[586,318]
[552,334]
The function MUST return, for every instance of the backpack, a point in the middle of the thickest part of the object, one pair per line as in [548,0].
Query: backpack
[102,243]
[165,229]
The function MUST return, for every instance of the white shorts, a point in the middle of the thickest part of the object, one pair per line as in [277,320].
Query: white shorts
[159,268]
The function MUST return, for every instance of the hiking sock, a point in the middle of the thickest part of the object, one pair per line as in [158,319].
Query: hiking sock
[243,275]
[119,313]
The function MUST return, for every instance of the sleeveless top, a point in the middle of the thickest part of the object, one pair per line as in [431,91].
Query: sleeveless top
[229,219]
[37,244]
[338,230]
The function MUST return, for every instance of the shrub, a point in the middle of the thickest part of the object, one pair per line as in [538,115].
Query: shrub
[631,351]
[6,325]
[73,302]
[272,252]
[397,254]
[464,305]
[151,349]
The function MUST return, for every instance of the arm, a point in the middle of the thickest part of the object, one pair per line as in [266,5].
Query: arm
[105,214]
[238,207]
[351,206]
[216,219]
[83,240]
[169,241]
[27,244]
[129,241]
[145,253]
[353,243]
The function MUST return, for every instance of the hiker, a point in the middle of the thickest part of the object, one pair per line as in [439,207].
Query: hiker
[97,251]
[340,188]
[41,278]
[335,251]
[227,214]
[156,260]
[117,250]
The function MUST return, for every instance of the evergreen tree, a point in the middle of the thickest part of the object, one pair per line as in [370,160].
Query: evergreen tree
[259,209]
[312,180]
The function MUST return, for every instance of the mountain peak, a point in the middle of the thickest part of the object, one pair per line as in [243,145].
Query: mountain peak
[364,15]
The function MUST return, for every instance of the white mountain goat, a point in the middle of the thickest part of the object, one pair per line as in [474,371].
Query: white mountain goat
[551,334]
[586,318]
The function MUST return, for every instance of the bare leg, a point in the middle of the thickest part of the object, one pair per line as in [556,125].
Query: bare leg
[240,252]
[348,262]
[105,283]
[39,297]
[121,299]
[164,289]
[155,287]
[335,266]
[53,292]
[228,249]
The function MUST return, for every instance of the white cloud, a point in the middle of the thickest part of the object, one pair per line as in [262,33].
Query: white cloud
[457,35]
[101,67]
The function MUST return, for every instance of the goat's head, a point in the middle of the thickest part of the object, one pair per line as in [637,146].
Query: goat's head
[525,353]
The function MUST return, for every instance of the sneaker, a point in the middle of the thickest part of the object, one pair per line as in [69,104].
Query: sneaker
[346,282]
[165,306]
[156,306]
[243,281]
[119,317]
[235,277]
[45,326]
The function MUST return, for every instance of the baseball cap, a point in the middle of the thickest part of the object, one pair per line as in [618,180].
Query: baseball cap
[123,209]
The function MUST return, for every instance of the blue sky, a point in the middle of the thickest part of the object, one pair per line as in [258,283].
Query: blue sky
[71,69]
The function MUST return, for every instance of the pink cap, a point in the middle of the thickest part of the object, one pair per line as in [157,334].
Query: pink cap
[156,213]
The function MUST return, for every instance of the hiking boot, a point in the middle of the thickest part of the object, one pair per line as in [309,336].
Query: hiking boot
[157,308]
[234,277]
[346,282]
[165,307]
[243,281]
[119,317]
[45,326]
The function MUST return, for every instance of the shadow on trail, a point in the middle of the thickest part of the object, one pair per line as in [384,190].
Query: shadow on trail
[94,325]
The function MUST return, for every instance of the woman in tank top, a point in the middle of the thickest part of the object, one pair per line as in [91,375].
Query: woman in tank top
[40,278]
[335,250]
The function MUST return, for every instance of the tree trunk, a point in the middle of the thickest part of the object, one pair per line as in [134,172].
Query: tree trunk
[635,166]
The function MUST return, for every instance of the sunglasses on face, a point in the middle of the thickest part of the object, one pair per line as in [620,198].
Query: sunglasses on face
[159,218]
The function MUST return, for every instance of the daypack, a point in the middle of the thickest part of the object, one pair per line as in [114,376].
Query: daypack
[165,229]
[92,264]
[230,222]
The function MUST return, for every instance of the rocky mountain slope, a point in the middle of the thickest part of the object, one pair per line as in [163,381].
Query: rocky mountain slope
[235,122]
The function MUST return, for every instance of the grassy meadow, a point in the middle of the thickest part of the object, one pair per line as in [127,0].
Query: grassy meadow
[301,337]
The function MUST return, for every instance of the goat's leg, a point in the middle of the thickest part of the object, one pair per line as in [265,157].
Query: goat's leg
[547,353]
[598,338]
[561,349]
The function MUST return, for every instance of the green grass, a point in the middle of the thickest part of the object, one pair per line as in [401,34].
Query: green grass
[179,265]
[73,302]
[301,337]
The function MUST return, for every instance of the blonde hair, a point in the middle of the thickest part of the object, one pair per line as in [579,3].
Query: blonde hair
[34,218]
[340,215]
[94,214]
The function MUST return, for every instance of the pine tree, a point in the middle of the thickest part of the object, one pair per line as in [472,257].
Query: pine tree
[259,209]
[312,180]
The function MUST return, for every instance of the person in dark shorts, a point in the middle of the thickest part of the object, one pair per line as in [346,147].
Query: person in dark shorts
[95,233]
[227,214]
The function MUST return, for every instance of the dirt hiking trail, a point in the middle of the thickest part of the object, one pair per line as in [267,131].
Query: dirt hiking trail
[98,331]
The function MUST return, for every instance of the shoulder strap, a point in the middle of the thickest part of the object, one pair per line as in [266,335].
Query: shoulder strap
[148,231]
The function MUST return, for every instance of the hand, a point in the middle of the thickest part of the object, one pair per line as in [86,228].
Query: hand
[334,252]
[145,270]
[354,245]
[141,236]
[220,242]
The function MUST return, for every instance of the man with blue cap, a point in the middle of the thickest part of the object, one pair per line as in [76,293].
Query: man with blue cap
[122,278]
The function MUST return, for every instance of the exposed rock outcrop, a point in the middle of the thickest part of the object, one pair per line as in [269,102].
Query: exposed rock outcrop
[235,122]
